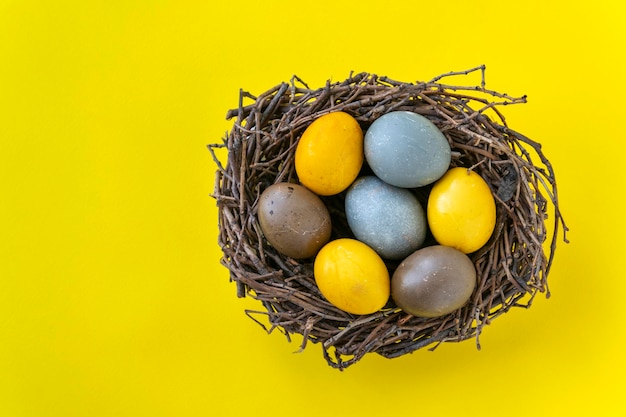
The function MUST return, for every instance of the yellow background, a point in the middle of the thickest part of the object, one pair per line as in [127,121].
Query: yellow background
[112,299]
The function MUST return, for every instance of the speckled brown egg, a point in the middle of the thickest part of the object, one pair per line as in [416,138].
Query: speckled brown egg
[294,220]
[433,281]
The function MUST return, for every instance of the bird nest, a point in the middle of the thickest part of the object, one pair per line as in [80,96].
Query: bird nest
[511,268]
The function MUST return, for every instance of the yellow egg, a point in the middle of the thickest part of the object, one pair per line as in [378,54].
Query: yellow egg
[352,276]
[329,154]
[461,210]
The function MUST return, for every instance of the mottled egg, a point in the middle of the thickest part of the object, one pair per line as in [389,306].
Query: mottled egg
[461,210]
[294,220]
[406,149]
[329,154]
[351,276]
[433,281]
[389,219]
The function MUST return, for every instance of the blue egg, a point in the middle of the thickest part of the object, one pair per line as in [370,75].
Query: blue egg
[406,149]
[388,219]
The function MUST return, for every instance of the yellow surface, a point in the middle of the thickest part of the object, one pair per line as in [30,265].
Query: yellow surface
[112,299]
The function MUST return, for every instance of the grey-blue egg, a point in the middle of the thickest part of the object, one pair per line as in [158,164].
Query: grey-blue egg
[388,219]
[406,149]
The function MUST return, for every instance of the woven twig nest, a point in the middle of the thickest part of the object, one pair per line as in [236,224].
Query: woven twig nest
[511,268]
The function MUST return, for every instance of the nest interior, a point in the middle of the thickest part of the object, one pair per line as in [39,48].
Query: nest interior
[511,268]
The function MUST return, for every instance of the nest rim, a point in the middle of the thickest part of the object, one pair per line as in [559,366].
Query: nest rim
[512,268]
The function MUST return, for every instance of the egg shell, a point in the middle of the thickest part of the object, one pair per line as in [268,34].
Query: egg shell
[433,281]
[389,219]
[461,210]
[406,149]
[329,154]
[294,220]
[351,276]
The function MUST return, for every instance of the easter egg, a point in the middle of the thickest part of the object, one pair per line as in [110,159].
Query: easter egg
[351,276]
[433,281]
[461,210]
[407,150]
[294,220]
[329,154]
[388,219]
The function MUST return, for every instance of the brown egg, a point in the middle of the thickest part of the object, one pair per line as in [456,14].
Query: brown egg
[294,220]
[433,281]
